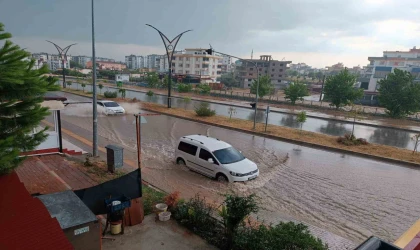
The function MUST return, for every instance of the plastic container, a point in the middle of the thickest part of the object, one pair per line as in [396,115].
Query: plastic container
[116,227]
[161,207]
[164,216]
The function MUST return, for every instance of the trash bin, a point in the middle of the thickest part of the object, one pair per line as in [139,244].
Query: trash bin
[114,157]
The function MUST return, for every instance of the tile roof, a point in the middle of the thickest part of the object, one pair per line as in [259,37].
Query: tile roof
[25,222]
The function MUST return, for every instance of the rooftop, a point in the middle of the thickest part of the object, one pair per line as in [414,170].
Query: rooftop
[210,142]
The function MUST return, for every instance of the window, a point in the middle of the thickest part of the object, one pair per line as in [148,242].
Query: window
[187,148]
[364,85]
[219,72]
[206,59]
[197,65]
[280,75]
[278,80]
[206,155]
[281,70]
[249,84]
[174,58]
[180,64]
[228,155]
[197,72]
[272,70]
[251,68]
[187,58]
[274,64]
[187,65]
[272,75]
[111,104]
[281,64]
[249,80]
[173,64]
[250,74]
[100,104]
[205,66]
[187,71]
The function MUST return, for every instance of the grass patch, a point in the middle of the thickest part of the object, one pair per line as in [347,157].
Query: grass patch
[151,197]
[98,171]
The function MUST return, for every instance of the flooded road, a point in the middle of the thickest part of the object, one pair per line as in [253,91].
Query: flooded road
[386,136]
[350,196]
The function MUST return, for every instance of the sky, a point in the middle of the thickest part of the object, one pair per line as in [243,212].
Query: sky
[317,32]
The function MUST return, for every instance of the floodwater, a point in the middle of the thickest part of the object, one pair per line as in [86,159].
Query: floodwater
[350,196]
[386,136]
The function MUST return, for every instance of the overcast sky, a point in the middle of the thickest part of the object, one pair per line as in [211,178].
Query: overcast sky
[317,32]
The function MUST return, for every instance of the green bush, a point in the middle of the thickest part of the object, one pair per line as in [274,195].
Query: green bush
[184,88]
[196,215]
[204,110]
[150,93]
[110,94]
[203,89]
[351,140]
[281,236]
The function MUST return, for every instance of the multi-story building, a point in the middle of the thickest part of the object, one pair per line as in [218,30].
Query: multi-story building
[40,56]
[101,65]
[132,62]
[225,64]
[266,65]
[104,59]
[162,62]
[54,57]
[334,69]
[152,61]
[54,65]
[82,60]
[380,67]
[196,62]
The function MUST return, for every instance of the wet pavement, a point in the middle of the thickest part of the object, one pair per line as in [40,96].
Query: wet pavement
[350,196]
[381,135]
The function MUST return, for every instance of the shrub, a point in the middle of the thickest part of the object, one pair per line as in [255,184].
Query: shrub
[351,140]
[171,200]
[196,215]
[203,89]
[151,197]
[204,110]
[287,235]
[111,94]
[184,88]
[150,93]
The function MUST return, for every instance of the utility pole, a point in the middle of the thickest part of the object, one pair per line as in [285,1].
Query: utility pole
[95,112]
[322,88]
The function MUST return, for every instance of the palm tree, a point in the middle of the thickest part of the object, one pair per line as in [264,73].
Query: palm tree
[83,86]
[100,86]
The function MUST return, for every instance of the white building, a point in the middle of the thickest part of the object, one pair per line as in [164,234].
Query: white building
[53,57]
[40,56]
[152,62]
[197,62]
[82,60]
[225,64]
[54,65]
[122,77]
[162,62]
[380,67]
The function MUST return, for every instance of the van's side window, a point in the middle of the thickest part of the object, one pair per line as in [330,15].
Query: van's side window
[206,155]
[187,148]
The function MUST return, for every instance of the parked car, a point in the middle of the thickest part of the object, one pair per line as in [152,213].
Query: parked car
[111,107]
[214,158]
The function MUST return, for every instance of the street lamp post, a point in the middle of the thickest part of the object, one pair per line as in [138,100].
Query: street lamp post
[95,111]
[170,46]
[210,51]
[63,55]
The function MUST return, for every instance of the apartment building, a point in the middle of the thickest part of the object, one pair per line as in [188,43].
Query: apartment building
[225,64]
[82,60]
[40,56]
[134,62]
[56,57]
[152,61]
[162,63]
[267,66]
[106,65]
[54,65]
[197,62]
[380,67]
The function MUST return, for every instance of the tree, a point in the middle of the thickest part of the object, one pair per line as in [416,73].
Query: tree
[231,111]
[340,91]
[229,80]
[152,80]
[355,114]
[83,86]
[204,89]
[165,82]
[265,88]
[68,83]
[399,94]
[416,139]
[21,91]
[296,91]
[122,92]
[100,86]
[74,64]
[186,100]
[301,119]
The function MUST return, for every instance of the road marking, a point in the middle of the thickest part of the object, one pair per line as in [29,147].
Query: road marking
[88,142]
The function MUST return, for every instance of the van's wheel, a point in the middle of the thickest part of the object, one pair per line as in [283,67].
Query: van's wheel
[221,178]
[180,162]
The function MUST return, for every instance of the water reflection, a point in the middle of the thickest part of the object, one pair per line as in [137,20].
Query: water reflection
[391,137]
[334,128]
[260,116]
[289,121]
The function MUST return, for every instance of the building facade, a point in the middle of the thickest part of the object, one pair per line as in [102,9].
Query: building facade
[152,61]
[82,60]
[225,64]
[267,66]
[163,65]
[380,67]
[122,77]
[197,62]
[54,65]
[101,65]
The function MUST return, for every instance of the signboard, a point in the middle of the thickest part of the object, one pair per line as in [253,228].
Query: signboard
[81,230]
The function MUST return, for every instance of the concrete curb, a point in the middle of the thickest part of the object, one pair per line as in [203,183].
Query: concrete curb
[308,144]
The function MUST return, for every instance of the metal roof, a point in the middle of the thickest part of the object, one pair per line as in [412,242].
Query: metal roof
[209,142]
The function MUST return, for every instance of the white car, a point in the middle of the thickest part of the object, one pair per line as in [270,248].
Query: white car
[214,158]
[111,108]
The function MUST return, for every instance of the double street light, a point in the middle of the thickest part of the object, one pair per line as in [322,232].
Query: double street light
[170,46]
[254,105]
[62,53]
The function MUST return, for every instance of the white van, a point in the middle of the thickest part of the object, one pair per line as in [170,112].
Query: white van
[214,158]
